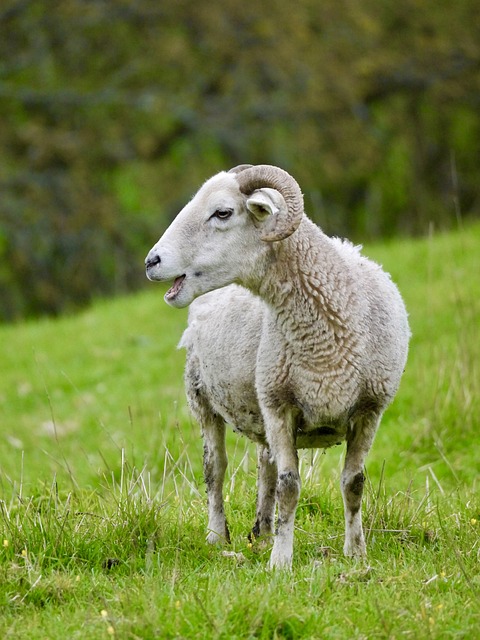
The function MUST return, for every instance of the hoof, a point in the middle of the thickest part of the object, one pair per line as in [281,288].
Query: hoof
[357,550]
[280,560]
[215,538]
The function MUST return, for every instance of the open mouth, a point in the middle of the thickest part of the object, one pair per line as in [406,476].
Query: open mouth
[175,288]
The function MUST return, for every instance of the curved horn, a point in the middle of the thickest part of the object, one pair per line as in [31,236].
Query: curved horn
[260,176]
[239,168]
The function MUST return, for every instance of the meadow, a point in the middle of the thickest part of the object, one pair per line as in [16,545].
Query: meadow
[103,507]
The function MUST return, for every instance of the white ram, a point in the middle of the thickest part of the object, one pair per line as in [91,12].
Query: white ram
[307,352]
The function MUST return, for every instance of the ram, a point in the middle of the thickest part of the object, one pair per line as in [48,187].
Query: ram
[294,339]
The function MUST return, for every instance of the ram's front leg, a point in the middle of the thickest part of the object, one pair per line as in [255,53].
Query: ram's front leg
[281,438]
[214,467]
[359,441]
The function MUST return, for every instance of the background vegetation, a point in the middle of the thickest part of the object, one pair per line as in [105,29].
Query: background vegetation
[113,112]
[103,507]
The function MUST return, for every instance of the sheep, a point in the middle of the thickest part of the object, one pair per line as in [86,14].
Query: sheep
[294,339]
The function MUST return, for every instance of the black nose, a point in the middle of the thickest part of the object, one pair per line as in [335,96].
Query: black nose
[151,261]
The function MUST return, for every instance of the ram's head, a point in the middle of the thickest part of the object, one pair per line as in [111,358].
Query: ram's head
[221,234]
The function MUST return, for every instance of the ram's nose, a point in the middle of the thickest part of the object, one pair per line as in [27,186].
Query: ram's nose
[152,259]
[152,262]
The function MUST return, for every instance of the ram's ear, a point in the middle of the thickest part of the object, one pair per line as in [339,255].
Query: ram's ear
[267,206]
[264,203]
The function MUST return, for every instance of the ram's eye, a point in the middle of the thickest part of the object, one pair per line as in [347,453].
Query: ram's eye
[222,214]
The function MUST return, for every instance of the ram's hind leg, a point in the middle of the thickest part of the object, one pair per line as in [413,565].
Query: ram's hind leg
[359,441]
[214,451]
[266,488]
[214,467]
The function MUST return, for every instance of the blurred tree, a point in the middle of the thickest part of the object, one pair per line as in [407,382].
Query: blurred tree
[113,111]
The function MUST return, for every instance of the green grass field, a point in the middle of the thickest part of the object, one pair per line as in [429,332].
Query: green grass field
[103,508]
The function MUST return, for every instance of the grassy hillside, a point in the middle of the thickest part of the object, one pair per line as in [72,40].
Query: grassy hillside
[103,506]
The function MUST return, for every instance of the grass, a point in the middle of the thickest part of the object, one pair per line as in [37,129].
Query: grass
[102,501]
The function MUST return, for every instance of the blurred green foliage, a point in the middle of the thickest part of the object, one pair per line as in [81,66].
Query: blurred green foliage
[112,112]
